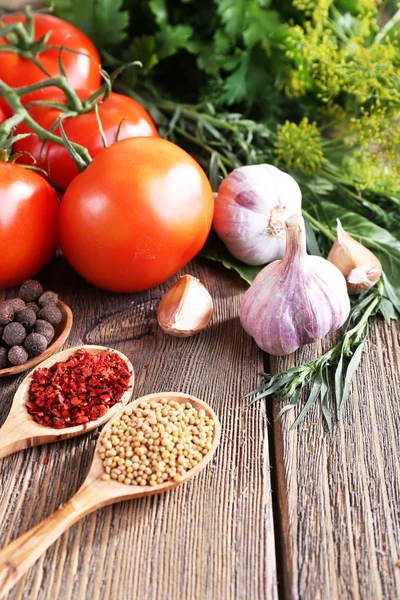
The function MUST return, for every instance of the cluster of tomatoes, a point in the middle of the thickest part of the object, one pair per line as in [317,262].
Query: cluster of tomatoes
[138,213]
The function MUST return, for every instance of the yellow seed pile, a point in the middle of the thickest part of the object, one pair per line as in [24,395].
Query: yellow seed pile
[156,442]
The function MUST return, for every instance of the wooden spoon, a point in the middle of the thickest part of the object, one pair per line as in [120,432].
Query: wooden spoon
[21,431]
[61,332]
[94,493]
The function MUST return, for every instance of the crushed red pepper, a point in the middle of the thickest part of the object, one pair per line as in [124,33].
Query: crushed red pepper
[79,390]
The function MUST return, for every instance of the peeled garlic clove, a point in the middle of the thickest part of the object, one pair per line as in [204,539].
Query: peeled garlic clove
[251,208]
[360,267]
[296,300]
[185,308]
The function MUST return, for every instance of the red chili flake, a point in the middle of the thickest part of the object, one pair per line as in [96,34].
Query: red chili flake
[45,460]
[77,391]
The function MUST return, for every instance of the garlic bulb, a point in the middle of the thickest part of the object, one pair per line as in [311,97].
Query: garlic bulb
[185,308]
[251,208]
[360,267]
[296,300]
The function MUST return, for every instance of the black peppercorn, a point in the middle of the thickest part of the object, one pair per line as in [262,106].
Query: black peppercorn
[30,290]
[35,344]
[48,298]
[17,355]
[3,357]
[26,317]
[14,334]
[44,328]
[51,314]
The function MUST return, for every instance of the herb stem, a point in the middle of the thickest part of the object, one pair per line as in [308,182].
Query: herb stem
[318,226]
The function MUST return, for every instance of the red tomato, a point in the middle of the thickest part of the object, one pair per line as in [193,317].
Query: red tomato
[2,116]
[82,71]
[54,159]
[139,212]
[28,223]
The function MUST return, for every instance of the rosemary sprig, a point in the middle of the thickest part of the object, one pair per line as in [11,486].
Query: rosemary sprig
[340,362]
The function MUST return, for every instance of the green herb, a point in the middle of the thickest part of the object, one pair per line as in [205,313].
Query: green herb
[341,362]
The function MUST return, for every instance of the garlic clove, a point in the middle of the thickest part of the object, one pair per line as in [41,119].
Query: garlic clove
[186,308]
[359,266]
[251,207]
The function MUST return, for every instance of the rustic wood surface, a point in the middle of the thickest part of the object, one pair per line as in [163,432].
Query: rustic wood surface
[339,494]
[211,538]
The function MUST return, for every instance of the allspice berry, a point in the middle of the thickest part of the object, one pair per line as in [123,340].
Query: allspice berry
[14,334]
[50,313]
[3,357]
[30,290]
[33,306]
[44,328]
[35,344]
[17,355]
[26,317]
[48,298]
[6,313]
[16,304]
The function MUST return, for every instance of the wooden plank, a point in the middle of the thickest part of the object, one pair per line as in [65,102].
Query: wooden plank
[211,538]
[339,493]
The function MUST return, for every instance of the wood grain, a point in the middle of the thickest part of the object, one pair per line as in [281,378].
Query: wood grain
[210,538]
[339,493]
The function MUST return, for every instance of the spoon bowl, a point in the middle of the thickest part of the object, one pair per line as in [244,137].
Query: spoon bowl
[21,431]
[94,493]
[61,333]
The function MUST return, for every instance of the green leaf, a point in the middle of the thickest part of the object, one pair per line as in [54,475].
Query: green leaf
[260,29]
[171,38]
[312,398]
[312,244]
[351,369]
[103,21]
[214,249]
[387,310]
[143,48]
[159,10]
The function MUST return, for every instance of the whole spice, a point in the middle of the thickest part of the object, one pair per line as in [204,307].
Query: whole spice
[51,314]
[77,391]
[360,267]
[33,306]
[45,329]
[186,308]
[3,357]
[16,304]
[251,208]
[6,313]
[17,355]
[156,442]
[35,344]
[48,298]
[26,317]
[14,334]
[30,290]
[296,300]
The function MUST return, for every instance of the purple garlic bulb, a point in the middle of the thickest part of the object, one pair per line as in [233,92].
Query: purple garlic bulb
[294,301]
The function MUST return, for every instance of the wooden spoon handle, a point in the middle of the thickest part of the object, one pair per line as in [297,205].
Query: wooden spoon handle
[23,552]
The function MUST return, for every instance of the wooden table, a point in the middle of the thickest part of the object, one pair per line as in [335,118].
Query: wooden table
[278,514]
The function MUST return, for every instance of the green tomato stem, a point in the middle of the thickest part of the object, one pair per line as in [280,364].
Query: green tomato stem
[23,36]
[12,97]
[60,82]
